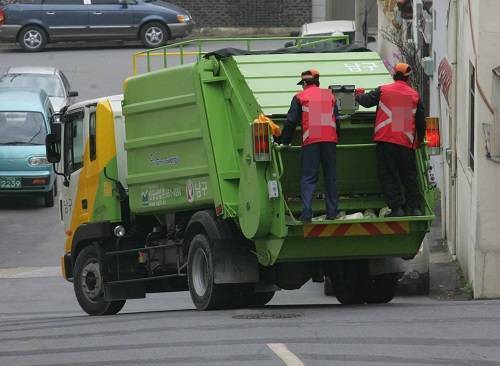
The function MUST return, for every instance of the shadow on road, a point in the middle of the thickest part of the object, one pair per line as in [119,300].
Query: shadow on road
[21,203]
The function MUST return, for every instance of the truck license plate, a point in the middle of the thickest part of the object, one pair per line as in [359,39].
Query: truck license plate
[10,182]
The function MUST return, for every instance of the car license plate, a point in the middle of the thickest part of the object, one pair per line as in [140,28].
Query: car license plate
[10,182]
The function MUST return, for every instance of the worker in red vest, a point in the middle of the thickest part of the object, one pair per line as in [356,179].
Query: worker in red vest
[316,110]
[399,131]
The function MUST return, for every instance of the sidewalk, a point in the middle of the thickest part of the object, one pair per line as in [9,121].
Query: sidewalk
[445,281]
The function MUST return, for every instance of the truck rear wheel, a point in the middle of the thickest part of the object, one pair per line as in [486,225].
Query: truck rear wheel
[382,288]
[349,282]
[206,295]
[88,285]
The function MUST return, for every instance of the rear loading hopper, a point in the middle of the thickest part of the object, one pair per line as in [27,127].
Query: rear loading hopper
[190,147]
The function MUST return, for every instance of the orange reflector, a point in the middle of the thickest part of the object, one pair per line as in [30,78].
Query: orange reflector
[432,135]
[261,141]
[69,232]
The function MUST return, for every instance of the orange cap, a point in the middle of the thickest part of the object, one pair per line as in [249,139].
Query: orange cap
[402,68]
[308,75]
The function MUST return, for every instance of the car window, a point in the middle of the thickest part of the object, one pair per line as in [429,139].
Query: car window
[22,128]
[73,143]
[49,83]
[63,2]
[105,2]
[92,136]
[32,2]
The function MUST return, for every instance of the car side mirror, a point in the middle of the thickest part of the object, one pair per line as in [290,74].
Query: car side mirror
[294,34]
[72,94]
[289,44]
[123,3]
[53,148]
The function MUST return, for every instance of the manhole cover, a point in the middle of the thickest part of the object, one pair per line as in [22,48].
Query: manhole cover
[267,316]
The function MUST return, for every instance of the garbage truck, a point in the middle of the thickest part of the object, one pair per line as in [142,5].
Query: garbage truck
[178,186]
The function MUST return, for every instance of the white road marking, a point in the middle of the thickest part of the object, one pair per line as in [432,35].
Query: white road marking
[282,351]
[30,272]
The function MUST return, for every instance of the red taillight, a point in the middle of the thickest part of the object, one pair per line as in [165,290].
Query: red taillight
[2,17]
[432,135]
[261,143]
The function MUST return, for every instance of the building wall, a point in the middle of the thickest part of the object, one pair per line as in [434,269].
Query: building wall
[487,247]
[477,244]
[248,13]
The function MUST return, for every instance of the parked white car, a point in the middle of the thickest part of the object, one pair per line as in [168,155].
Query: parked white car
[49,79]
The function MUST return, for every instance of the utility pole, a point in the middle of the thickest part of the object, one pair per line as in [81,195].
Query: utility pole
[359,19]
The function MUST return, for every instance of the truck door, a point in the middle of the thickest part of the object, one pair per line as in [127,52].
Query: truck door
[73,194]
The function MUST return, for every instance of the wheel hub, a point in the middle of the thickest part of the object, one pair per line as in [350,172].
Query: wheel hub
[91,280]
[200,272]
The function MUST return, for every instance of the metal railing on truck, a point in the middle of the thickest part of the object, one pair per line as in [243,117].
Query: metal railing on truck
[428,215]
[192,50]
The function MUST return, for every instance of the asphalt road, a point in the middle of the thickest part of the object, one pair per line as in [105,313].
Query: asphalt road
[42,324]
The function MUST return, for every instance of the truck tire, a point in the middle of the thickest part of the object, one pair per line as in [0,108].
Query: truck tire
[206,295]
[349,282]
[88,285]
[32,38]
[154,34]
[382,288]
[48,198]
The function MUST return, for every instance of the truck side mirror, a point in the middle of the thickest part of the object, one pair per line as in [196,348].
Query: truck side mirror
[72,94]
[289,44]
[53,148]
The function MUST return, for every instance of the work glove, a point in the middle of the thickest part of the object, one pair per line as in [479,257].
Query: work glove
[359,91]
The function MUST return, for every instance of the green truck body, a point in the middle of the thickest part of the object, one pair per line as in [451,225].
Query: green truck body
[179,197]
[189,147]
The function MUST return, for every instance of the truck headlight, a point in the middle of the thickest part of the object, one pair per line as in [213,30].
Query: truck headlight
[38,160]
[183,18]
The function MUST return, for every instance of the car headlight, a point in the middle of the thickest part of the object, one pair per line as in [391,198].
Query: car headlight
[38,160]
[183,18]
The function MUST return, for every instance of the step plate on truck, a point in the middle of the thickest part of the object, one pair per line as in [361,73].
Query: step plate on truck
[361,229]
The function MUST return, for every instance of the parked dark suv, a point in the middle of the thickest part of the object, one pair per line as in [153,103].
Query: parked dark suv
[34,23]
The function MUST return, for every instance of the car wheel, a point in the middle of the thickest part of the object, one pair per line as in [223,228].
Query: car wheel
[49,198]
[154,34]
[32,39]
[88,285]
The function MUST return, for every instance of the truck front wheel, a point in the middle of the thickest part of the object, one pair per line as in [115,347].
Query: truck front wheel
[88,285]
[206,295]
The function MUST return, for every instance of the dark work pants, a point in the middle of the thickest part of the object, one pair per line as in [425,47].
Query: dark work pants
[397,165]
[312,156]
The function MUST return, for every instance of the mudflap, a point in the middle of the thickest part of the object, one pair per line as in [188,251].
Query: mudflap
[234,262]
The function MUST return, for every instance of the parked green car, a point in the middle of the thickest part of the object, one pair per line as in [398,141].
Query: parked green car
[24,122]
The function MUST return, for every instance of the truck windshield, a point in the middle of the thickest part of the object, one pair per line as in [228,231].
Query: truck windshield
[49,83]
[22,128]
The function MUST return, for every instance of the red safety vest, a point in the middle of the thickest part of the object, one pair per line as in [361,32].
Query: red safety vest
[395,120]
[318,121]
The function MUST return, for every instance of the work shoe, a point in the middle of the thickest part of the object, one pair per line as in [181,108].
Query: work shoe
[397,212]
[305,217]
